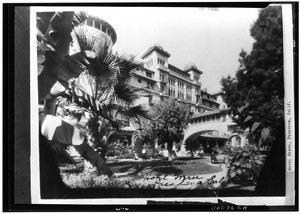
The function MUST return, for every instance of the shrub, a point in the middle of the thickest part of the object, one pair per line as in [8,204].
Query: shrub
[86,180]
[244,165]
[119,150]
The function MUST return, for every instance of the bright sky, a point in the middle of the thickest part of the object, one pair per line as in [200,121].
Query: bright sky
[212,39]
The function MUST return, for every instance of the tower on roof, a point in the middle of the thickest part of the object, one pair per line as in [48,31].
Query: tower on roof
[156,58]
[194,72]
[103,26]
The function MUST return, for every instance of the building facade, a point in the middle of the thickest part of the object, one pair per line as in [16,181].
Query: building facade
[161,80]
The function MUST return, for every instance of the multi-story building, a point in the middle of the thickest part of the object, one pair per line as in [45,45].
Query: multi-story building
[161,80]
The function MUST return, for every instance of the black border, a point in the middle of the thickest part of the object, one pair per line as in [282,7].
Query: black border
[16,132]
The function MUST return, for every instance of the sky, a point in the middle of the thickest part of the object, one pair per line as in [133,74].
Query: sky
[210,38]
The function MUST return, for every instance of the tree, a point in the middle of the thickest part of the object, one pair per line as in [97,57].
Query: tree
[255,94]
[191,146]
[144,136]
[169,120]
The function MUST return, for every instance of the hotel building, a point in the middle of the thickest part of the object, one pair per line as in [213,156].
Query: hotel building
[162,80]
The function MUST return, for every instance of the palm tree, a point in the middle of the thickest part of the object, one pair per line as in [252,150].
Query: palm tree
[91,77]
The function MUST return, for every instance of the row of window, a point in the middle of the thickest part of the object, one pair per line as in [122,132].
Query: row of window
[149,84]
[209,97]
[161,62]
[180,84]
[179,72]
[189,88]
[209,104]
[97,25]
[149,63]
[207,119]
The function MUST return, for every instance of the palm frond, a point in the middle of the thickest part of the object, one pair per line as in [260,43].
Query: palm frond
[84,38]
[127,64]
[79,17]
[113,135]
[126,92]
[134,112]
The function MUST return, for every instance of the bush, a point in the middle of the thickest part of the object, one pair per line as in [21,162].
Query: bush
[119,150]
[150,152]
[87,180]
[244,165]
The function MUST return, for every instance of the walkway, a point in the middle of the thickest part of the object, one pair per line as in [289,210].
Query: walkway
[163,181]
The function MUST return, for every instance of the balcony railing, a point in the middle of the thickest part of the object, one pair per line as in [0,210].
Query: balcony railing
[163,67]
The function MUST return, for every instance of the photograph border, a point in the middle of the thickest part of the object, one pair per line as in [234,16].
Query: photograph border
[291,163]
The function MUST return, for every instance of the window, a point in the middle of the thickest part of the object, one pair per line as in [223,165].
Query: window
[104,29]
[162,77]
[149,85]
[97,25]
[171,92]
[148,74]
[160,61]
[150,100]
[149,63]
[189,88]
[171,81]
[89,22]
[189,97]
[180,84]
[180,95]
[139,80]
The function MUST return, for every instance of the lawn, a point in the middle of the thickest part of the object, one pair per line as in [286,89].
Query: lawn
[188,167]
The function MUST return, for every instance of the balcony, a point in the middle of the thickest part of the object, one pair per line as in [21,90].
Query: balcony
[162,67]
[139,74]
[210,100]
[163,81]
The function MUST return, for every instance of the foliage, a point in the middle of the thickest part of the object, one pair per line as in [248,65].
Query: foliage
[244,165]
[255,94]
[167,124]
[191,147]
[87,180]
[150,152]
[169,120]
[119,150]
[53,42]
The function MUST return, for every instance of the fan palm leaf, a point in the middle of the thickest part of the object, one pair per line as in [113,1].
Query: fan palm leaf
[54,44]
